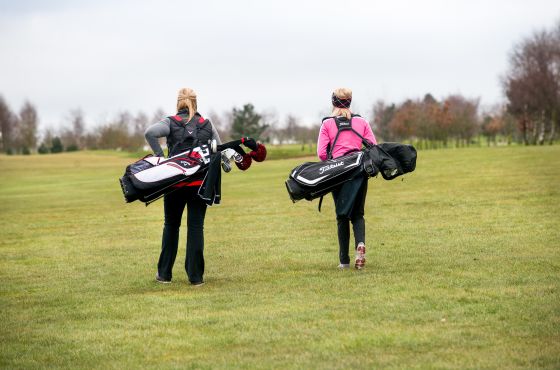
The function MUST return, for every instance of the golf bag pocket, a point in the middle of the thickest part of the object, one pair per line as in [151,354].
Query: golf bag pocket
[142,164]
[312,180]
[404,154]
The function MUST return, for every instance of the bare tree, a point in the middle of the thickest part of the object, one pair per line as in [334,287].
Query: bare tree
[291,130]
[220,123]
[464,118]
[532,85]
[157,116]
[7,122]
[78,126]
[72,135]
[115,134]
[382,116]
[139,123]
[28,127]
[271,122]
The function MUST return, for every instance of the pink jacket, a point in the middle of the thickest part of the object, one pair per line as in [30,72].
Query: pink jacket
[347,140]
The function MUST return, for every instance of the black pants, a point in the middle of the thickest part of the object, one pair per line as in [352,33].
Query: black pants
[174,204]
[349,200]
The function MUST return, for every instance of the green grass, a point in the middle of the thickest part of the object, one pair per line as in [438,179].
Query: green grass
[463,270]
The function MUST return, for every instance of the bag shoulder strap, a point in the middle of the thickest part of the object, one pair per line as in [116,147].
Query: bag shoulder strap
[345,125]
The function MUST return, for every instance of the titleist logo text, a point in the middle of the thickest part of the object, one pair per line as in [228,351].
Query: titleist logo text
[330,167]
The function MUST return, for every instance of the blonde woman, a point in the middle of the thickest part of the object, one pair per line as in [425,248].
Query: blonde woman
[350,197]
[186,129]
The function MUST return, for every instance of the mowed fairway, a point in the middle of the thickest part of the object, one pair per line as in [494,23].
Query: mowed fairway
[463,270]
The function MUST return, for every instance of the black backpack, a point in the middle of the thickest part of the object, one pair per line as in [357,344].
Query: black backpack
[185,135]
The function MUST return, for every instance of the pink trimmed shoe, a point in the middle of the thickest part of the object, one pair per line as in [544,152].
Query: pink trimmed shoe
[360,256]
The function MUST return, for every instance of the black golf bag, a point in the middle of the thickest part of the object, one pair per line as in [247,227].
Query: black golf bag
[313,180]
[150,178]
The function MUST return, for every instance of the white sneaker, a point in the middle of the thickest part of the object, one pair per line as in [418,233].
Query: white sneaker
[360,256]
[344,266]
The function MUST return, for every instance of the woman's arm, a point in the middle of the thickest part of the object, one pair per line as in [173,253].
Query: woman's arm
[154,132]
[215,134]
[322,142]
[368,133]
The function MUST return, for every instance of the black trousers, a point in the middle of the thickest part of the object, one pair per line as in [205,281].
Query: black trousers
[349,200]
[174,205]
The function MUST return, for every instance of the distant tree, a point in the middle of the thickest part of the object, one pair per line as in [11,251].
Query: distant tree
[464,119]
[91,140]
[271,122]
[46,142]
[43,149]
[220,124]
[382,116]
[139,123]
[67,137]
[75,135]
[427,122]
[292,128]
[7,121]
[403,125]
[491,127]
[28,127]
[246,122]
[158,115]
[57,146]
[115,134]
[532,85]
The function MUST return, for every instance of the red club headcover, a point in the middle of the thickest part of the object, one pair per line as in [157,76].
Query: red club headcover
[245,163]
[259,155]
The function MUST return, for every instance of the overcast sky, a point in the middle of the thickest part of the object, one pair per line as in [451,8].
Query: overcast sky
[284,56]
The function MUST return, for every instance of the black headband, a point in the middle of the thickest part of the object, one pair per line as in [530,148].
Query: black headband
[341,103]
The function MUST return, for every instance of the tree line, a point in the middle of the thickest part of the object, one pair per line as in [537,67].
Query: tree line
[531,115]
[125,131]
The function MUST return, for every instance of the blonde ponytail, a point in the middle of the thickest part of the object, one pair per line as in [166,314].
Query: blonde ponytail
[186,98]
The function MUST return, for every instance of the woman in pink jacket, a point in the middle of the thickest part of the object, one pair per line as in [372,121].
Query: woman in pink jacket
[350,197]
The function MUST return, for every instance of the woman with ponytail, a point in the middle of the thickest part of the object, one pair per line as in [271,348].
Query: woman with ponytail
[184,130]
[349,198]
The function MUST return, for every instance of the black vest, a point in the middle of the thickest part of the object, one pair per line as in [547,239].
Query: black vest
[185,135]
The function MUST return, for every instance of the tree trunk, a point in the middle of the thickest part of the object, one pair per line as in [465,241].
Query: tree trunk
[535,134]
[553,124]
[552,133]
[540,139]
[524,132]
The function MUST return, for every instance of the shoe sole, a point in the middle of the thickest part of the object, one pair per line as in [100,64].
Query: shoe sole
[162,281]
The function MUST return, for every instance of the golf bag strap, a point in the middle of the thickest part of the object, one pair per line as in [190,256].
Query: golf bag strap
[338,130]
[366,143]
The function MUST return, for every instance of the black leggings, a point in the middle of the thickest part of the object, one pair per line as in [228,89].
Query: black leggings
[349,200]
[174,204]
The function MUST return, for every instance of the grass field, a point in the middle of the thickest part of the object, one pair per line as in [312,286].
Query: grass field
[463,270]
